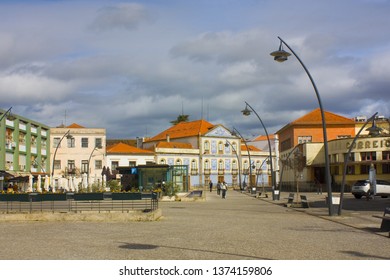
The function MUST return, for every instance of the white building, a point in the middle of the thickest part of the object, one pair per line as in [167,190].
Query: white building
[77,156]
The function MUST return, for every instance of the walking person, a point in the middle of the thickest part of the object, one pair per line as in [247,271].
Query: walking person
[211,186]
[223,189]
[218,187]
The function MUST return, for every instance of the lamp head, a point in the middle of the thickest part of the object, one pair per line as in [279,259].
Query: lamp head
[374,130]
[226,144]
[246,111]
[280,55]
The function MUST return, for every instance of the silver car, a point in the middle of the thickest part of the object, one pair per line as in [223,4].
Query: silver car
[363,188]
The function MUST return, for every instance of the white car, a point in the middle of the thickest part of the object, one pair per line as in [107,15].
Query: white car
[363,188]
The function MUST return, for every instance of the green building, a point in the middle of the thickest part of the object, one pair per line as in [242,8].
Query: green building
[24,152]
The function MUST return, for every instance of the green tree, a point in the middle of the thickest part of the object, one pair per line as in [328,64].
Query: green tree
[180,118]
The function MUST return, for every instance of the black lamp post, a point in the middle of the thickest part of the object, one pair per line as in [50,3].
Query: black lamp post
[89,160]
[247,112]
[235,132]
[372,131]
[68,136]
[280,56]
[238,160]
[7,114]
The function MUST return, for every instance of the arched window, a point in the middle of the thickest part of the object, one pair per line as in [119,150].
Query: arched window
[234,164]
[206,164]
[163,161]
[206,147]
[220,147]
[194,165]
[178,161]
[220,165]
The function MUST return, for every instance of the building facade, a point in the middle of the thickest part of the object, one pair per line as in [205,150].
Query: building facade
[211,152]
[77,157]
[24,152]
[304,164]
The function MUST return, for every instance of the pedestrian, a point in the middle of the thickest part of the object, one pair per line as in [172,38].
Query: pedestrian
[218,187]
[211,186]
[223,189]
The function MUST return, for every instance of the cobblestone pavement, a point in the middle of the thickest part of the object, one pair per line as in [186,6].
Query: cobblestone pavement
[239,227]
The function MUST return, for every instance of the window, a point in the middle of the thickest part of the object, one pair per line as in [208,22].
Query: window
[234,147]
[351,156]
[386,168]
[98,143]
[365,169]
[343,136]
[220,147]
[84,142]
[178,162]
[206,164]
[163,161]
[114,165]
[368,156]
[234,164]
[220,165]
[56,142]
[386,155]
[84,166]
[71,142]
[132,163]
[71,166]
[98,164]
[57,164]
[193,164]
[207,147]
[351,170]
[304,139]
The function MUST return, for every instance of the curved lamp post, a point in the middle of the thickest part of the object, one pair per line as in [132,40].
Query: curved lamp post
[68,136]
[373,131]
[247,112]
[238,160]
[235,132]
[7,114]
[280,56]
[89,160]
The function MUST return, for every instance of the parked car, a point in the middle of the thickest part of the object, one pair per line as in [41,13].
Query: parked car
[363,188]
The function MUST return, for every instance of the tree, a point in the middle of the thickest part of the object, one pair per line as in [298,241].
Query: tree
[180,118]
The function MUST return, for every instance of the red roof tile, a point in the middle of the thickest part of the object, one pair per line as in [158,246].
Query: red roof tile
[177,145]
[314,117]
[122,148]
[183,129]
[75,125]
[251,148]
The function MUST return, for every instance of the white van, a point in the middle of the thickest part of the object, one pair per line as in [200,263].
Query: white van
[363,188]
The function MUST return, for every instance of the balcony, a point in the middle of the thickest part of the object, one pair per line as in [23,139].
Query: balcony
[194,171]
[221,171]
[207,171]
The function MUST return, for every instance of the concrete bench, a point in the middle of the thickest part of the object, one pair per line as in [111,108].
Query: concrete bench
[304,201]
[290,199]
[385,225]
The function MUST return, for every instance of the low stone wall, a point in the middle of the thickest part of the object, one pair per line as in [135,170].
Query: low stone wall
[87,216]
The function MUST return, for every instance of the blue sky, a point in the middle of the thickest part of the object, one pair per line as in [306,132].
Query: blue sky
[133,66]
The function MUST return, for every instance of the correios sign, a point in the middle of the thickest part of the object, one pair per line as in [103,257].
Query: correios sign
[370,144]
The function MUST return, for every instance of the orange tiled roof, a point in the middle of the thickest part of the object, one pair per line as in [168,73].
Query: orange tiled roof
[75,125]
[122,148]
[314,117]
[251,148]
[183,129]
[177,145]
[264,137]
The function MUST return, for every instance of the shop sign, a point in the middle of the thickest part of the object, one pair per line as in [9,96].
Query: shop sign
[370,144]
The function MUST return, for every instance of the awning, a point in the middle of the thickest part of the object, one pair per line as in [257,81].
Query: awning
[17,175]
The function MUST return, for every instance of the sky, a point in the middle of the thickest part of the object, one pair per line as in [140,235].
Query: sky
[133,66]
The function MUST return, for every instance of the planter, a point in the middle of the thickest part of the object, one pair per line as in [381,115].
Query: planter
[51,197]
[22,197]
[88,196]
[126,196]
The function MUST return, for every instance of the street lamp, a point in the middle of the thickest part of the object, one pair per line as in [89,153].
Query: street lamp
[68,136]
[7,114]
[238,160]
[280,56]
[235,132]
[247,112]
[373,131]
[89,160]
